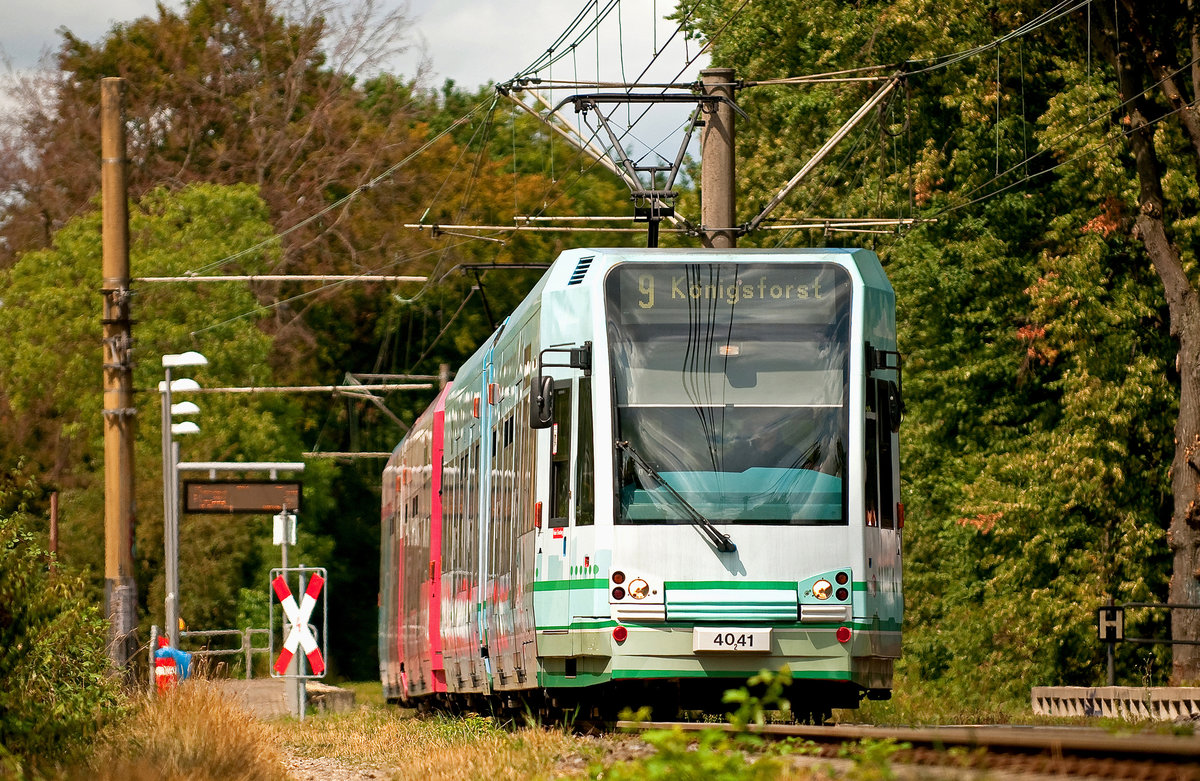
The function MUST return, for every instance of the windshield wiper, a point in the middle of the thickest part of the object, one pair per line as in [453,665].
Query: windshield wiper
[719,540]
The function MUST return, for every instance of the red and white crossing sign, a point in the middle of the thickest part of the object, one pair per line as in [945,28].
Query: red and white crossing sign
[299,634]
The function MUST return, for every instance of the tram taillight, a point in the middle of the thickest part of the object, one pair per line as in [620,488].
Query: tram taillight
[618,577]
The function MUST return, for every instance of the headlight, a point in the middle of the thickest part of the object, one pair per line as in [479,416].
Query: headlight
[639,589]
[822,589]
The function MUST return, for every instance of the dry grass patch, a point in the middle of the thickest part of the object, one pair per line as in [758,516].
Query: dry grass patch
[471,747]
[194,733]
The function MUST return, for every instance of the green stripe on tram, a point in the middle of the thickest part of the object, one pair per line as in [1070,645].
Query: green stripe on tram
[759,585]
[565,585]
[889,625]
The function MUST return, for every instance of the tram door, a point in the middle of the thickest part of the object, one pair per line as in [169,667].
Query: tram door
[551,603]
[582,548]
[881,495]
[569,538]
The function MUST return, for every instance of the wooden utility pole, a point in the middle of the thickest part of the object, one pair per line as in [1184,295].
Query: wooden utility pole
[120,587]
[717,194]
[54,533]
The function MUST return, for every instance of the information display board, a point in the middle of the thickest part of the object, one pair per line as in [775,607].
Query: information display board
[240,496]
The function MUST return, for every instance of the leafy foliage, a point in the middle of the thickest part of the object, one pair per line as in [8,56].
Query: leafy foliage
[250,126]
[712,753]
[50,312]
[57,684]
[1039,365]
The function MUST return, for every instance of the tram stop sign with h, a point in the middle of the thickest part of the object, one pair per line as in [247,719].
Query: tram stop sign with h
[1110,624]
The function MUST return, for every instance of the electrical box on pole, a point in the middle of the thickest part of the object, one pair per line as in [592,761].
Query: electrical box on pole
[284,529]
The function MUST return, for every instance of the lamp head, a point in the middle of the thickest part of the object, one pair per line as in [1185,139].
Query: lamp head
[185,408]
[184,384]
[190,358]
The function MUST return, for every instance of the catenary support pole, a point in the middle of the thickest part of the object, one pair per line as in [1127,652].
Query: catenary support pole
[717,193]
[120,587]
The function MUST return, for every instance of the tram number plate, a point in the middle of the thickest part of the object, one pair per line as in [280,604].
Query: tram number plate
[730,640]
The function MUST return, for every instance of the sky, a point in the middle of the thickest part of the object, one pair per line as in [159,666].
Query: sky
[469,41]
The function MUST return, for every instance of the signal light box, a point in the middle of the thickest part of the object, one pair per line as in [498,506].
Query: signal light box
[223,497]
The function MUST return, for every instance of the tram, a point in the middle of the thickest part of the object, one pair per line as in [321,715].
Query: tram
[667,470]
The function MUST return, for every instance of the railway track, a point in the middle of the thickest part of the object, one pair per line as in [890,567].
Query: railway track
[1027,752]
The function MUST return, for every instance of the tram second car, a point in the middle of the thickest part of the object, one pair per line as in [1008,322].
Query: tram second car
[667,470]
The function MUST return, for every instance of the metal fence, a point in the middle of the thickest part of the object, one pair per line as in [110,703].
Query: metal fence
[1110,628]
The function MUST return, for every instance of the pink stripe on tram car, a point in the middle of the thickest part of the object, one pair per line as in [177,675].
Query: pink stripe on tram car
[435,543]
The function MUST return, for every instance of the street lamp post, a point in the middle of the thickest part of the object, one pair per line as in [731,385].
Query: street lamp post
[170,451]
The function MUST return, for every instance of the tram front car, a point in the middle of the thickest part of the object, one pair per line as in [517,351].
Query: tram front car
[743,407]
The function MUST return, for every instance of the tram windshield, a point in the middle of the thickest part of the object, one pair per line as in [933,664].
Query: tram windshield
[731,381]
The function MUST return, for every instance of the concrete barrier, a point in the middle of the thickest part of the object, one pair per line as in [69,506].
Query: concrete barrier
[329,699]
[1133,703]
[268,697]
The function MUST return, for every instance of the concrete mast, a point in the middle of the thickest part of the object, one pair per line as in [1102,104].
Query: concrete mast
[120,587]
[717,193]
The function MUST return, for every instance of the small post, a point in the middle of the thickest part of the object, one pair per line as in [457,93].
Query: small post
[1112,655]
[54,533]
[301,686]
[1110,629]
[153,647]
[247,639]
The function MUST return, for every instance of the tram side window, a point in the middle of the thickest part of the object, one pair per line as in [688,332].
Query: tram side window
[871,484]
[879,497]
[887,500]
[585,472]
[560,457]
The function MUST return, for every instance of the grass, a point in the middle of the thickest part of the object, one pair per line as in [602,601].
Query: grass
[196,733]
[470,747]
[366,692]
[923,703]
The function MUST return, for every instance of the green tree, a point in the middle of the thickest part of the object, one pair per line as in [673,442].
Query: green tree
[228,93]
[50,312]
[1037,359]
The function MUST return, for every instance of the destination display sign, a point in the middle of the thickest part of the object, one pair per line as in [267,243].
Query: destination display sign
[240,496]
[787,292]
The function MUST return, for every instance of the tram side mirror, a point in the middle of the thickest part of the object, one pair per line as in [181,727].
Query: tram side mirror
[541,407]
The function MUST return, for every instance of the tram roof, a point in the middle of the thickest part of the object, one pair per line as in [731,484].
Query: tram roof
[559,276]
[867,262]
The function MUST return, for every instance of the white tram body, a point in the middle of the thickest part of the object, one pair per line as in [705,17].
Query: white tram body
[668,470]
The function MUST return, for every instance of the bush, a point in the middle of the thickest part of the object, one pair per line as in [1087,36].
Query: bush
[56,683]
